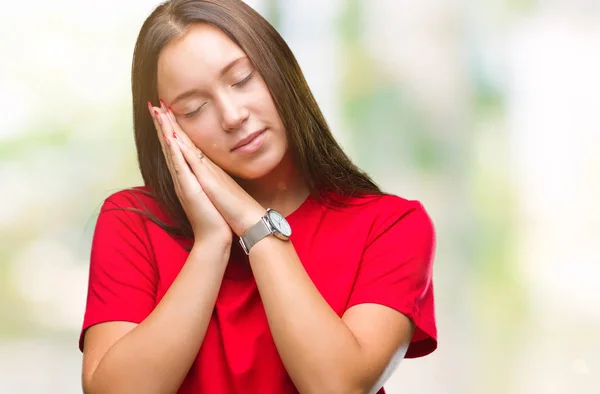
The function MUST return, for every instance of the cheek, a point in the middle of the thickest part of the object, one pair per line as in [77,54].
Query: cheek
[206,137]
[262,95]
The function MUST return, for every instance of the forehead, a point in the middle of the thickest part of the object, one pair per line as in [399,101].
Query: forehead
[196,59]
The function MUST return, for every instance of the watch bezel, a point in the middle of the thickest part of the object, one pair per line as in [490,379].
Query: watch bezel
[276,230]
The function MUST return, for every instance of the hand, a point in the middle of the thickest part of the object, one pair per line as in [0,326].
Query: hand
[205,219]
[236,206]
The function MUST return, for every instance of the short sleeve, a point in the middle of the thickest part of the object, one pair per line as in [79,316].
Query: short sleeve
[122,278]
[396,271]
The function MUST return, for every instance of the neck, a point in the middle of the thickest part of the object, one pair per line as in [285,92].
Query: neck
[283,189]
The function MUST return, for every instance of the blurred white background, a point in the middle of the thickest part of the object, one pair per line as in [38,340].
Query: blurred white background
[488,112]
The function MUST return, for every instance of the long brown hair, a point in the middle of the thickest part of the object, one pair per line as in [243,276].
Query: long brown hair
[326,169]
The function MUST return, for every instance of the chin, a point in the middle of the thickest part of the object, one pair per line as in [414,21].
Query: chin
[255,173]
[257,169]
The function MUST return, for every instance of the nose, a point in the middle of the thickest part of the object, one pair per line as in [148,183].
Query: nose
[233,113]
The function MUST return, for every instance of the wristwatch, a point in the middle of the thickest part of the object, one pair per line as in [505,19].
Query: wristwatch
[273,223]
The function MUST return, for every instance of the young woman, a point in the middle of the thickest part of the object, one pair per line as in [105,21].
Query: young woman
[257,258]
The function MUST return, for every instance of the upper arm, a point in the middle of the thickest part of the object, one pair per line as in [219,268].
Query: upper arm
[98,340]
[383,335]
[391,307]
[122,282]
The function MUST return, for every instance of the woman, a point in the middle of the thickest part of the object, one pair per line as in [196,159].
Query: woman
[257,258]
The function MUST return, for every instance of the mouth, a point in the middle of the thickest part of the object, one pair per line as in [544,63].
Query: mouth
[249,140]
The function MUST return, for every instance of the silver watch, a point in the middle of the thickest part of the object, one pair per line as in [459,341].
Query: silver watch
[273,223]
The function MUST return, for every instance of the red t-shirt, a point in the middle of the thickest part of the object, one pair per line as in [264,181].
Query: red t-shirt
[379,250]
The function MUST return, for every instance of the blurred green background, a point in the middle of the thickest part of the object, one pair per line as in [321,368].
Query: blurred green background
[487,112]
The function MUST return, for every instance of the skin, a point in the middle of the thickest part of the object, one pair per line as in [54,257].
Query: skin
[231,101]
[223,191]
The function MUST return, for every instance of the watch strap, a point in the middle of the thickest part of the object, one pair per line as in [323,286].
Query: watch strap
[254,234]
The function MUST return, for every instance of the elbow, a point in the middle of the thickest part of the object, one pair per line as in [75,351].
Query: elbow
[352,390]
[338,386]
[86,383]
[339,390]
[87,389]
[90,386]
[110,386]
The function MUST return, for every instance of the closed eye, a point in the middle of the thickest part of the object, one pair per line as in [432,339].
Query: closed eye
[194,112]
[245,80]
[239,84]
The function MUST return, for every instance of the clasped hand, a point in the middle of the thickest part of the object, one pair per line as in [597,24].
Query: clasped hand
[213,202]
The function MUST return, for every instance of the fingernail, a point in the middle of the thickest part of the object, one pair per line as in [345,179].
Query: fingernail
[162,104]
[175,136]
[158,117]
[149,106]
[166,140]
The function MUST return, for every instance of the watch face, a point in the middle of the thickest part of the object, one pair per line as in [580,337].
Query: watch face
[280,223]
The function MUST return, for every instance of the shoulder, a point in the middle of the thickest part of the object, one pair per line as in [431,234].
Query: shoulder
[391,222]
[394,210]
[133,207]
[138,197]
[383,211]
[138,200]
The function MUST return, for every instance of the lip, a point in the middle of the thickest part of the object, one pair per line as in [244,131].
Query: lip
[245,142]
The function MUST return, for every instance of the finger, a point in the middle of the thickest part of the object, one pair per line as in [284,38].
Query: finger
[164,142]
[169,138]
[180,169]
[177,129]
[160,134]
[184,137]
[157,125]
[207,173]
[168,156]
[194,157]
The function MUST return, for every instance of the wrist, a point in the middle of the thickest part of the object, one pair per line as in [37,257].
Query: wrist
[271,223]
[215,243]
[250,219]
[208,256]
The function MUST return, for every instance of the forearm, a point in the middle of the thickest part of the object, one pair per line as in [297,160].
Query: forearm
[156,355]
[319,351]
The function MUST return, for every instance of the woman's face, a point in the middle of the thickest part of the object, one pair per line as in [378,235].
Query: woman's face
[219,100]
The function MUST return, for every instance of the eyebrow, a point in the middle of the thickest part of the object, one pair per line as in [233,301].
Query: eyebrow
[224,70]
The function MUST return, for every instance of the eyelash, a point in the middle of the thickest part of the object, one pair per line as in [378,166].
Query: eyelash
[190,114]
[245,80]
[237,85]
